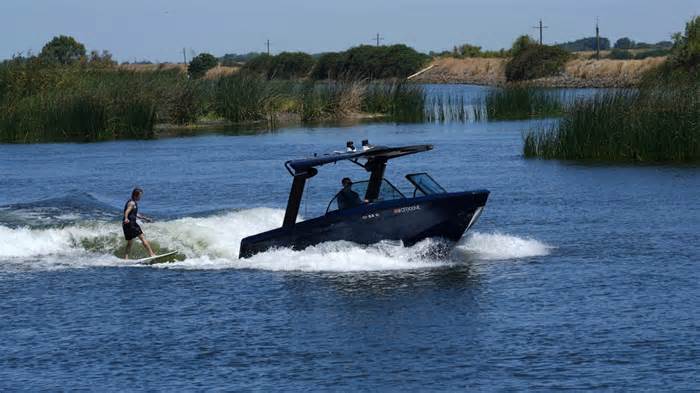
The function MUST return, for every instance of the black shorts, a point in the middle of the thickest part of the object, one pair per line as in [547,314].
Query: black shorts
[131,230]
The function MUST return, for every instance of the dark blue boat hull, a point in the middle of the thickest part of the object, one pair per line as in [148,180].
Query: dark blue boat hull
[410,220]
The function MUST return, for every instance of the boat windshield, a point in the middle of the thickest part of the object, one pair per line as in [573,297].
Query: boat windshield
[424,184]
[387,192]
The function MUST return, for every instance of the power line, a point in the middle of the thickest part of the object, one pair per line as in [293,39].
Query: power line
[540,27]
[597,40]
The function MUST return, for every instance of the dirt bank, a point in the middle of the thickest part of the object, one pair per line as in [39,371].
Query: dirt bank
[577,72]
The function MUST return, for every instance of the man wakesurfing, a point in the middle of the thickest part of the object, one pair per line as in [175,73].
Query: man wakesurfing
[131,227]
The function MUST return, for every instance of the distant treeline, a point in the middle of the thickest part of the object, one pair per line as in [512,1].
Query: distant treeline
[234,59]
[590,44]
[360,62]
[585,44]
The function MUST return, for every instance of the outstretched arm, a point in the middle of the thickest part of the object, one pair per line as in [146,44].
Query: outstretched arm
[141,216]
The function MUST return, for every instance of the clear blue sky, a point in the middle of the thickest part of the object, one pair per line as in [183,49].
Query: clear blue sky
[157,30]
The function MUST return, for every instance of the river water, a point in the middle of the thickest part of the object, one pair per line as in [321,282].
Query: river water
[576,276]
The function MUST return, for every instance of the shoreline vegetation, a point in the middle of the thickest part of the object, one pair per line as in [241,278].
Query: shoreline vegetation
[65,94]
[658,122]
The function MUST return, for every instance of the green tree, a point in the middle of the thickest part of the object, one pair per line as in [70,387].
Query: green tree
[536,61]
[521,43]
[200,64]
[585,44]
[328,66]
[288,65]
[624,43]
[686,47]
[62,50]
[259,64]
[379,62]
[467,50]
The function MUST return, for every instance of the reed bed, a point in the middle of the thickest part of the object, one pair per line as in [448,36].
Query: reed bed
[247,97]
[87,105]
[332,100]
[509,103]
[402,102]
[518,103]
[651,125]
[40,103]
[449,108]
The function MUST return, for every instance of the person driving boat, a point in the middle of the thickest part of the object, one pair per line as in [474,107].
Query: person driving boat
[348,198]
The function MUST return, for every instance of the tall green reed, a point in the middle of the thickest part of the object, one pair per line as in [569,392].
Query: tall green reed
[659,124]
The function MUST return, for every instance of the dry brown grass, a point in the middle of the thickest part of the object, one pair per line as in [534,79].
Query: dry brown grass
[611,69]
[219,71]
[153,67]
[590,54]
[214,73]
[471,70]
[579,72]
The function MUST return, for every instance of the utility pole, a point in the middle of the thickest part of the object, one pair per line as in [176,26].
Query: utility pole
[268,47]
[540,27]
[378,38]
[597,40]
[184,55]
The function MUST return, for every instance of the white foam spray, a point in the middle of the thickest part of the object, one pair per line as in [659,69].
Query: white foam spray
[213,243]
[499,246]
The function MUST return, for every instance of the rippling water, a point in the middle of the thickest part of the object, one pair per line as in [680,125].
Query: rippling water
[577,276]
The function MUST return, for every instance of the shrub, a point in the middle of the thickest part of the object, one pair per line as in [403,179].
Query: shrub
[536,61]
[521,43]
[200,64]
[373,62]
[289,65]
[286,65]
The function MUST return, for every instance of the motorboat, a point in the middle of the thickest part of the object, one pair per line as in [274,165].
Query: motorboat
[375,210]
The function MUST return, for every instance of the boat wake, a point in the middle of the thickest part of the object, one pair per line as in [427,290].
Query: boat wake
[213,243]
[499,246]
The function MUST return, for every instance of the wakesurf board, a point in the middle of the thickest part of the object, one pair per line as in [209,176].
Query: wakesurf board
[162,258]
